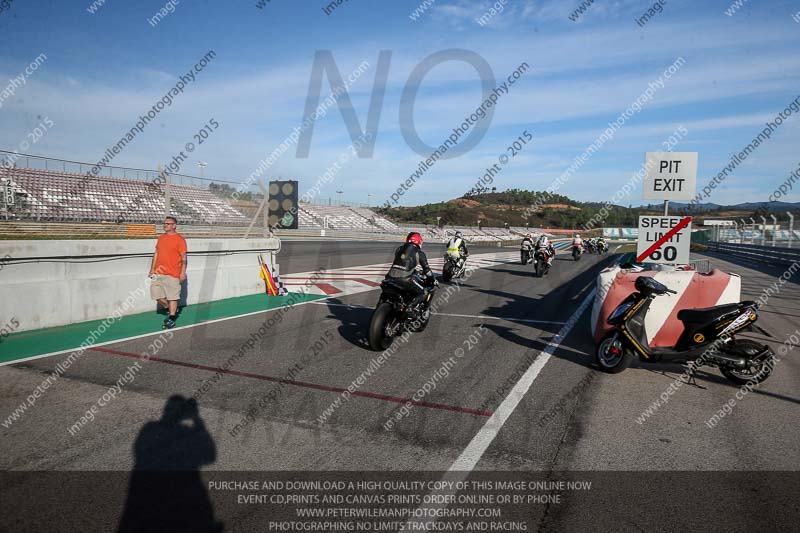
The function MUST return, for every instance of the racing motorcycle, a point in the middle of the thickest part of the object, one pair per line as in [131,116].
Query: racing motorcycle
[453,268]
[526,253]
[591,246]
[396,312]
[602,247]
[708,337]
[541,262]
[577,250]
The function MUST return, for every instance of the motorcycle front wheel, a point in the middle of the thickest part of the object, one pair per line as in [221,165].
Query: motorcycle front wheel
[611,355]
[381,318]
[757,371]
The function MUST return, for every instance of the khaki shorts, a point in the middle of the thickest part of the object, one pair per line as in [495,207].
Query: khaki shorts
[165,287]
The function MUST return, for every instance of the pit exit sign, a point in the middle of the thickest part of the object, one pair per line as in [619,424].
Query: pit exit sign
[670,175]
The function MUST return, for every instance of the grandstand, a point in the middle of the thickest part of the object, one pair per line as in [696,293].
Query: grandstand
[80,199]
[45,195]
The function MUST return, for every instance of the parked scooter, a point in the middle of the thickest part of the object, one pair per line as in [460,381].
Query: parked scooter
[708,337]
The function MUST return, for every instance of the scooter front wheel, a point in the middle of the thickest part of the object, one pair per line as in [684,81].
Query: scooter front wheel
[611,355]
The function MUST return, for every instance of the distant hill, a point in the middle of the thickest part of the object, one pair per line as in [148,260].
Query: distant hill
[521,208]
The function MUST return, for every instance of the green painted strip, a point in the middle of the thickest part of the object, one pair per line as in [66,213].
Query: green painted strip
[47,340]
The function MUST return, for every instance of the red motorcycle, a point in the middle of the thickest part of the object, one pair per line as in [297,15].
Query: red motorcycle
[541,260]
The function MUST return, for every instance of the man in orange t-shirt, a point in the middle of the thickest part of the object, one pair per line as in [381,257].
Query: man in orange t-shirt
[168,270]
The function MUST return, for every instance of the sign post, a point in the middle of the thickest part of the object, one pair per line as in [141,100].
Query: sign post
[668,176]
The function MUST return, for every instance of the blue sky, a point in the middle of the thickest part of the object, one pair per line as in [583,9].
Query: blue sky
[105,69]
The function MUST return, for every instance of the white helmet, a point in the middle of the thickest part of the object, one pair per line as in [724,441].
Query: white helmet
[577,236]
[543,240]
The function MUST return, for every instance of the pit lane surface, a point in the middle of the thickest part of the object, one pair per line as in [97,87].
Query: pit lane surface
[571,418]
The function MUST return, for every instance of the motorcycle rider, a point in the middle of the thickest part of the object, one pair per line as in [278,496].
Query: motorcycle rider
[544,243]
[577,241]
[409,265]
[457,248]
[601,245]
[527,239]
[527,243]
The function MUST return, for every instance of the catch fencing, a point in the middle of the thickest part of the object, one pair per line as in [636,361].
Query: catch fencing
[761,254]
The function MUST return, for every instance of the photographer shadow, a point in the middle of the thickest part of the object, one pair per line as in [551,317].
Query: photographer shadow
[166,492]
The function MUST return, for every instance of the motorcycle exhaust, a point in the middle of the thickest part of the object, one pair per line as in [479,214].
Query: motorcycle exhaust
[725,359]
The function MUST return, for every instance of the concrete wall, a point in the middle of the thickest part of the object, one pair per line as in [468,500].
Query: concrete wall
[46,292]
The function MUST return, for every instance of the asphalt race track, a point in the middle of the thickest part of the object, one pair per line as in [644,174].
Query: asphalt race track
[571,418]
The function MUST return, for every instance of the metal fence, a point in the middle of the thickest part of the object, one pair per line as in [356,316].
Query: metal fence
[774,231]
[760,254]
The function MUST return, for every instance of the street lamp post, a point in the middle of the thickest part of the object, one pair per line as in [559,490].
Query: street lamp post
[202,165]
[752,230]
[340,197]
[369,199]
[791,227]
[763,229]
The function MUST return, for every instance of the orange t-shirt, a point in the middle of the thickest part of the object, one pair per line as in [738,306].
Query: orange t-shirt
[168,260]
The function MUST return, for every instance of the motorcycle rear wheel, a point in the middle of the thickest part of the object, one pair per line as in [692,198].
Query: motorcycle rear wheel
[757,372]
[539,268]
[447,272]
[378,339]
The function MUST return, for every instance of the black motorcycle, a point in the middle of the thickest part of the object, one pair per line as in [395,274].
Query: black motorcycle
[453,268]
[526,253]
[397,312]
[708,337]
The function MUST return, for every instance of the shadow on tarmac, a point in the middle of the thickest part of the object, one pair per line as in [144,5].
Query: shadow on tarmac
[576,348]
[166,492]
[354,322]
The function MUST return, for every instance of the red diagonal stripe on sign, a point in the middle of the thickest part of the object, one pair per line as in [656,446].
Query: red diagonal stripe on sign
[667,236]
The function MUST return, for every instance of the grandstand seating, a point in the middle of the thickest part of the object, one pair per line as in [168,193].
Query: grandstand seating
[51,195]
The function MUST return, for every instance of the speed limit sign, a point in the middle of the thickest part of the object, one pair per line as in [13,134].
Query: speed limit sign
[664,240]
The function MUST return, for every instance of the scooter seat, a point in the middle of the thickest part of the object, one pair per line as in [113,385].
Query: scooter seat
[707,314]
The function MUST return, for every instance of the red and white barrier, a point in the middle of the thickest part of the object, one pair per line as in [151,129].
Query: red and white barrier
[695,290]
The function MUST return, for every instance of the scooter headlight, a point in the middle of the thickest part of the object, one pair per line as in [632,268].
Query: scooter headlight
[619,311]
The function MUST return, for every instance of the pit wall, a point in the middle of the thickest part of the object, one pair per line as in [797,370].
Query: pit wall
[55,283]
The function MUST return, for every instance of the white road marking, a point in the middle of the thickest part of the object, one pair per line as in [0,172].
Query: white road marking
[466,462]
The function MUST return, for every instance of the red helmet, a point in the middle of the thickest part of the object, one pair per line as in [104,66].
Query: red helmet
[414,237]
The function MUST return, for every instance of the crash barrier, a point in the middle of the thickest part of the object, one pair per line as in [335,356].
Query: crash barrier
[695,290]
[54,283]
[762,254]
